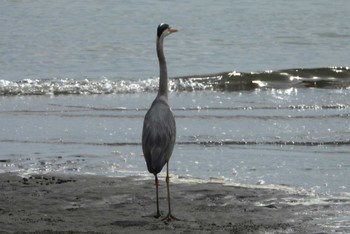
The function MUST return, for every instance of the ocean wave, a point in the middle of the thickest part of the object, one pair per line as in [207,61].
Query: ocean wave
[329,77]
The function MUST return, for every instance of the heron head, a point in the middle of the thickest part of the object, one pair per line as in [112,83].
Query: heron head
[165,30]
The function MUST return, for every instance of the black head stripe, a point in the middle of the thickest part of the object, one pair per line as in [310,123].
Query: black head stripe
[161,29]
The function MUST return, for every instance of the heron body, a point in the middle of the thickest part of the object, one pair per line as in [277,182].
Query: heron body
[158,137]
[159,128]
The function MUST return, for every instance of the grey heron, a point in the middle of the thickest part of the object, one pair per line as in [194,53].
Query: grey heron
[159,128]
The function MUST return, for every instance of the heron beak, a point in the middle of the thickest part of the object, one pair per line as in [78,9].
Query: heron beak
[172,30]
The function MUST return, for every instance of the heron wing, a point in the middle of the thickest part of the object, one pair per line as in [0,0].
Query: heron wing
[158,136]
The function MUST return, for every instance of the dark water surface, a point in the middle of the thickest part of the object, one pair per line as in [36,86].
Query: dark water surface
[298,137]
[116,39]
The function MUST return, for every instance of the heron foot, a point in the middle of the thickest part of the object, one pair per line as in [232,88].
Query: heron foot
[157,215]
[170,218]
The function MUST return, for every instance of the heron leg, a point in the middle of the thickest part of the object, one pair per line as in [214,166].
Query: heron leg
[169,216]
[157,215]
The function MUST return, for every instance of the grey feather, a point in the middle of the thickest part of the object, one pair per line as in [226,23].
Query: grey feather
[158,135]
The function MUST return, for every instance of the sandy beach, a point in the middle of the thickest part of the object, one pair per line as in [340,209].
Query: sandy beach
[92,204]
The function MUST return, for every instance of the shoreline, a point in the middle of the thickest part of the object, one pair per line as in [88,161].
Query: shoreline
[94,204]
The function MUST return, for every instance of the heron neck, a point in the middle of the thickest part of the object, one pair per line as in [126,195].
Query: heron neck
[163,73]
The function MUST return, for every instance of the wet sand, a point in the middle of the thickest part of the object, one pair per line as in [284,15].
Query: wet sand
[92,204]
